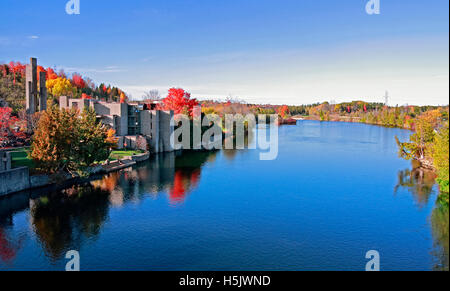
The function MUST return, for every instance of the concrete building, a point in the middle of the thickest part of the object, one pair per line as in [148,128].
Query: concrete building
[36,97]
[130,121]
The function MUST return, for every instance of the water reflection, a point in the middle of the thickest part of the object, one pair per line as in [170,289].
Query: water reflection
[187,174]
[63,221]
[419,182]
[114,222]
[10,242]
[440,233]
[174,174]
[9,246]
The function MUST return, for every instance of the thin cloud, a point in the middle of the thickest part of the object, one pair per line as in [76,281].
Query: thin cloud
[108,69]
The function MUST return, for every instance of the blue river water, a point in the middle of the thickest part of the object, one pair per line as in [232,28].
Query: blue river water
[335,192]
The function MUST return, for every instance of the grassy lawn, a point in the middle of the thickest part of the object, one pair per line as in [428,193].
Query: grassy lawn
[120,154]
[19,158]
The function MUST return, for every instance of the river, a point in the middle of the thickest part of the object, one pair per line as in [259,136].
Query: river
[335,192]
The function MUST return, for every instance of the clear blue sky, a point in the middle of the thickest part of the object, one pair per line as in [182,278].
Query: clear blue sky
[269,51]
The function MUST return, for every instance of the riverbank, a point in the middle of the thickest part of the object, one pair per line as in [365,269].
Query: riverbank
[19,179]
[352,119]
[425,163]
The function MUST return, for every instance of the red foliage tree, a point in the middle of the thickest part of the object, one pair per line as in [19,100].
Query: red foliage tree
[51,74]
[7,124]
[16,68]
[78,81]
[179,101]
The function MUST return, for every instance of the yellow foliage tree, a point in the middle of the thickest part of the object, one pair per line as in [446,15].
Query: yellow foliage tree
[59,87]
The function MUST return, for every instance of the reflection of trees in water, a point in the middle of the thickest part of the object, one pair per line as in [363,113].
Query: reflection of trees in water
[419,182]
[63,220]
[249,141]
[173,173]
[440,233]
[187,174]
[230,154]
[9,246]
[10,240]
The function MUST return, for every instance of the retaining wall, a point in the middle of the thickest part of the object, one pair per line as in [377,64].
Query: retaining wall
[14,180]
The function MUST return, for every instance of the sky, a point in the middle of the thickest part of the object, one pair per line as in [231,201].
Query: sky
[259,51]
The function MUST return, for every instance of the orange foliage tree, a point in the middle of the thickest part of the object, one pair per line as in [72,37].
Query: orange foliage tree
[66,140]
[283,111]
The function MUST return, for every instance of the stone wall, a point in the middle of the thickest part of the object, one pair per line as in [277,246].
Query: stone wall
[154,137]
[14,180]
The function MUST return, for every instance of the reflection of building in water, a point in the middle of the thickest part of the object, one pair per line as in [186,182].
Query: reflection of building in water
[419,182]
[64,220]
[172,173]
[133,184]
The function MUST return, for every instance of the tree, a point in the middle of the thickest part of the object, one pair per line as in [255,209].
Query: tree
[283,111]
[419,143]
[52,140]
[152,95]
[77,81]
[17,69]
[12,89]
[66,140]
[6,122]
[59,87]
[440,158]
[92,142]
[179,101]
[10,129]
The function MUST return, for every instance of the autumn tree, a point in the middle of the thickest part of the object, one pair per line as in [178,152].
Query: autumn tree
[66,140]
[59,87]
[12,88]
[283,111]
[52,140]
[8,132]
[179,101]
[419,143]
[78,81]
[441,158]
